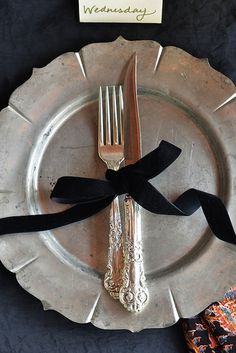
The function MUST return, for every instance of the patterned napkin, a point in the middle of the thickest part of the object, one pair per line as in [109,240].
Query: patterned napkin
[214,330]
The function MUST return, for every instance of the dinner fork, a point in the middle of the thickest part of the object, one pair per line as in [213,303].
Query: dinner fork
[111,151]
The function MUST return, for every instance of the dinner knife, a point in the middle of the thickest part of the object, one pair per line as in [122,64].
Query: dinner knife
[133,292]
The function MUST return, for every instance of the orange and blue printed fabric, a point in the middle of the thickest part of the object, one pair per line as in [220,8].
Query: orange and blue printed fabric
[214,330]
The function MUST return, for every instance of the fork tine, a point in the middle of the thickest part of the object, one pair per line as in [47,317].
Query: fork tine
[108,118]
[121,116]
[115,120]
[100,119]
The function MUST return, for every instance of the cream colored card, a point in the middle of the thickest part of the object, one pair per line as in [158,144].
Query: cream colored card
[129,11]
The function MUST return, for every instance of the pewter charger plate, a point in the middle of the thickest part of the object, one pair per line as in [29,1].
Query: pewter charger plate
[49,129]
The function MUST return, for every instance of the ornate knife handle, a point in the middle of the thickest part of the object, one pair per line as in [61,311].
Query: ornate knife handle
[113,276]
[133,293]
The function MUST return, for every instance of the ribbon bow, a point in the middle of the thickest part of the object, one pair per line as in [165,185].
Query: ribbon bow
[92,195]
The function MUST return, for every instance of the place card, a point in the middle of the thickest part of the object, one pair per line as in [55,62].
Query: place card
[128,11]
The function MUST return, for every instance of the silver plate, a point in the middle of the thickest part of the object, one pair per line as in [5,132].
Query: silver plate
[49,130]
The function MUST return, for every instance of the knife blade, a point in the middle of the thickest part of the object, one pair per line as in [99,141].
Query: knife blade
[131,114]
[133,292]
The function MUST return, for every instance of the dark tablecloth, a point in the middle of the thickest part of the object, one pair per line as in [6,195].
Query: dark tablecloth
[32,33]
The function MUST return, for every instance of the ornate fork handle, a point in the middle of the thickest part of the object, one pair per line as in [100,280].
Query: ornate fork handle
[115,261]
[113,276]
[133,293]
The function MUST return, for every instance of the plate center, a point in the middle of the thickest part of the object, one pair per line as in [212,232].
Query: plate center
[69,147]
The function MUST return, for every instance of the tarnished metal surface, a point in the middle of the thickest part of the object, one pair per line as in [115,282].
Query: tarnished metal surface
[49,129]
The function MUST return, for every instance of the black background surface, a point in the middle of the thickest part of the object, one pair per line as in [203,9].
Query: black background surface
[32,33]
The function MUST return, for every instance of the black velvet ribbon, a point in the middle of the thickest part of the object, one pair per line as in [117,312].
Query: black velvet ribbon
[90,196]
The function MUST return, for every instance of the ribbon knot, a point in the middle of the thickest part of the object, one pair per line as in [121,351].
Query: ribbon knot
[121,179]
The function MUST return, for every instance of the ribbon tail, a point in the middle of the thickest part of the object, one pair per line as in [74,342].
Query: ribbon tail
[185,205]
[36,223]
[214,210]
[147,196]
